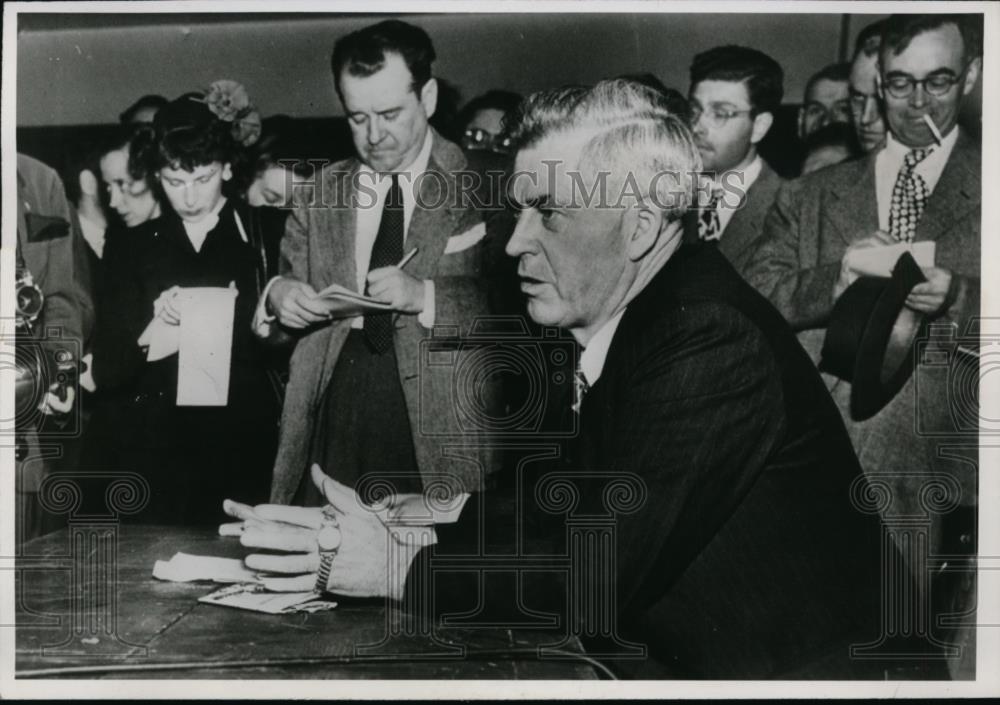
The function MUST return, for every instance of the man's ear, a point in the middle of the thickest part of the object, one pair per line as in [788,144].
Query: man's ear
[762,123]
[972,75]
[89,183]
[429,97]
[643,225]
[801,121]
[227,171]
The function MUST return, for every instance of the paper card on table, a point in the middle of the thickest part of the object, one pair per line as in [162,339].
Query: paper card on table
[341,302]
[257,598]
[184,567]
[206,345]
[161,338]
[879,261]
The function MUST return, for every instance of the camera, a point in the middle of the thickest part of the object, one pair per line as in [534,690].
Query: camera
[39,362]
[950,366]
[28,299]
[506,380]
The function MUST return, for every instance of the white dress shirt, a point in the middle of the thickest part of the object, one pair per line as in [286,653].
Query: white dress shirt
[93,233]
[369,216]
[593,356]
[197,232]
[889,161]
[727,182]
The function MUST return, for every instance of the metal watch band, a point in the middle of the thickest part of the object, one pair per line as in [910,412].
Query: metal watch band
[325,564]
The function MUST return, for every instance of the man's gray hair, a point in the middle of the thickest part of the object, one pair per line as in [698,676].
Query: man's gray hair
[635,136]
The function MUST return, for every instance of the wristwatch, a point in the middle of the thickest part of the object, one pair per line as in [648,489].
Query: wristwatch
[328,540]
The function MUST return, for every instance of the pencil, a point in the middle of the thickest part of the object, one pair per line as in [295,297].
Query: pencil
[407,258]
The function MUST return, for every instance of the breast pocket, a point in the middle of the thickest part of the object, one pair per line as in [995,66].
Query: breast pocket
[42,228]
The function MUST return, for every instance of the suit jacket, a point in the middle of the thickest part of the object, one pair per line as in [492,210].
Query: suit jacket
[812,223]
[318,248]
[743,556]
[742,234]
[54,252]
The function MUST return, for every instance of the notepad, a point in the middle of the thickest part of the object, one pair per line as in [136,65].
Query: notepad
[879,261]
[341,302]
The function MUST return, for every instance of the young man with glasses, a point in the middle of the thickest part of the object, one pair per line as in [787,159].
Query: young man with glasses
[913,189]
[734,94]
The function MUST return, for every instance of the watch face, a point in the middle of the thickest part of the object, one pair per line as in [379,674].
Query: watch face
[329,538]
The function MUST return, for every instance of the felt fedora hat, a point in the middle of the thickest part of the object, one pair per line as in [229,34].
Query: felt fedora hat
[870,336]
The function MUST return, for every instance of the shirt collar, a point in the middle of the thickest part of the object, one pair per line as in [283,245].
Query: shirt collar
[593,356]
[750,175]
[899,150]
[198,231]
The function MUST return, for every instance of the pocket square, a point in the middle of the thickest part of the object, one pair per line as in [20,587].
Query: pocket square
[463,241]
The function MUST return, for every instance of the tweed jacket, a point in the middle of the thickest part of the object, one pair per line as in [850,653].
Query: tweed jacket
[919,435]
[318,248]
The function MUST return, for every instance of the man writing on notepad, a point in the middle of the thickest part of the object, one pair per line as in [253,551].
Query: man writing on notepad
[359,386]
[922,187]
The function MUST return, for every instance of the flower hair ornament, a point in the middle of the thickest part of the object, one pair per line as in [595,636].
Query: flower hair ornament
[228,100]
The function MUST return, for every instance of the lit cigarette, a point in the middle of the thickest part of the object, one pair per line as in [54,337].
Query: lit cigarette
[933,128]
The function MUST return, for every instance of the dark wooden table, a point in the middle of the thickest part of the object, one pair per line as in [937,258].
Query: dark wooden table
[86,599]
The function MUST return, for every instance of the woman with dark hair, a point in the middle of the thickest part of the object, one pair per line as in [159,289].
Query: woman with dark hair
[281,165]
[191,456]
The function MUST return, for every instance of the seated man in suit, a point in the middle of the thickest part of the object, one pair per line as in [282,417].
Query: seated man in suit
[734,94]
[928,64]
[707,445]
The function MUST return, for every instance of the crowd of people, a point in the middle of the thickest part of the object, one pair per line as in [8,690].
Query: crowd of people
[702,307]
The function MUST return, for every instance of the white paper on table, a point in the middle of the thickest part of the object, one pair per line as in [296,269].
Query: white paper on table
[185,567]
[258,599]
[206,345]
[162,338]
[879,261]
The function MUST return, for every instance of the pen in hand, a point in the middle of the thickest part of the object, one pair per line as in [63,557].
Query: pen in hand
[406,258]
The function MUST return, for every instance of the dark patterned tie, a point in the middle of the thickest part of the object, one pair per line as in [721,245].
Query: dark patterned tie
[386,252]
[709,227]
[909,196]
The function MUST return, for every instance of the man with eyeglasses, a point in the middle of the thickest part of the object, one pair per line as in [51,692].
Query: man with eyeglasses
[826,100]
[913,189]
[866,110]
[734,94]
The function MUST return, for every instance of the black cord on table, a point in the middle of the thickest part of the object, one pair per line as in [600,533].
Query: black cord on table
[481,655]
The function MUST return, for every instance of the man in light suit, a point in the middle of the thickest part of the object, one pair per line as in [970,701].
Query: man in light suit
[361,394]
[734,94]
[706,437]
[927,65]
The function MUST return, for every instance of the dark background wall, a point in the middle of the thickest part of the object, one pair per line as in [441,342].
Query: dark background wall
[79,71]
[83,69]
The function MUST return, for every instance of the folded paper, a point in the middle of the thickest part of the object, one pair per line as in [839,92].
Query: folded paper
[185,567]
[255,597]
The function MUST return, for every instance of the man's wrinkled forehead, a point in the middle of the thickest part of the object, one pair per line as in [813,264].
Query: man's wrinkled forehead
[548,168]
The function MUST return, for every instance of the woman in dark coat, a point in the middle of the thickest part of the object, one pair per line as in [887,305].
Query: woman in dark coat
[192,456]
